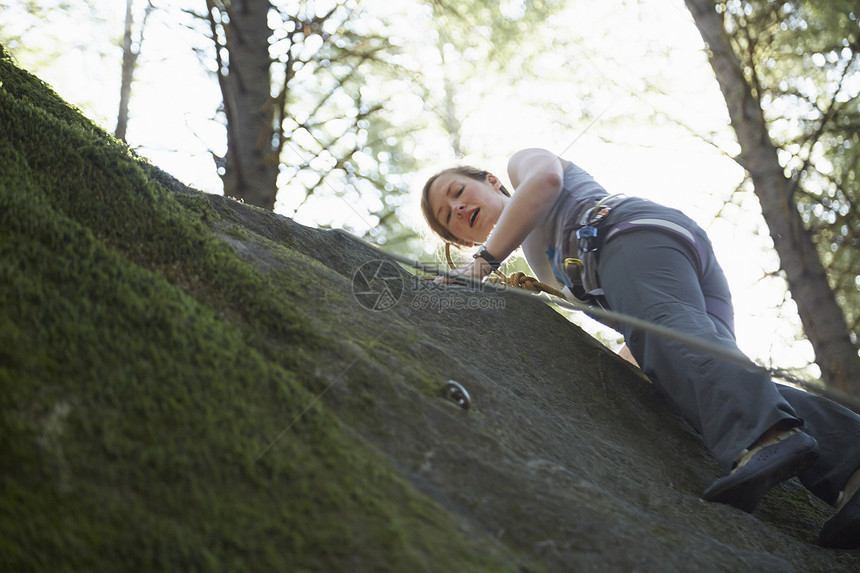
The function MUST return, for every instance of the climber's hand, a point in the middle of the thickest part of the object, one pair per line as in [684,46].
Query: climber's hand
[474,271]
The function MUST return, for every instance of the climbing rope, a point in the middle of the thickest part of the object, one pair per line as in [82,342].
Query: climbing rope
[718,351]
[516,279]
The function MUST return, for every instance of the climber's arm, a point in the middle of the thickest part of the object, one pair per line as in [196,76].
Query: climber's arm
[537,177]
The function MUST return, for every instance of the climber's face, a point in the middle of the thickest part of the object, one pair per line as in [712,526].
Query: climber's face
[466,207]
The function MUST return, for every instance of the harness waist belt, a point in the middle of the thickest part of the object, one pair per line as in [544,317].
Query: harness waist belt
[666,226]
[714,306]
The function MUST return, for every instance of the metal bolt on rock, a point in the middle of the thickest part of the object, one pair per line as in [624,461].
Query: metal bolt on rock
[455,392]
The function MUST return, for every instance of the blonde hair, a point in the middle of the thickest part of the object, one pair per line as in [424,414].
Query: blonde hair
[427,211]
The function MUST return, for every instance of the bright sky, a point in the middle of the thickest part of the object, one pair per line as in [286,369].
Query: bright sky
[174,100]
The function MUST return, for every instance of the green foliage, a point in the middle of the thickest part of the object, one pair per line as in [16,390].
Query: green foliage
[480,46]
[155,389]
[487,30]
[804,59]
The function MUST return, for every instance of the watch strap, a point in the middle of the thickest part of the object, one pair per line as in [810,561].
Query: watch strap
[485,254]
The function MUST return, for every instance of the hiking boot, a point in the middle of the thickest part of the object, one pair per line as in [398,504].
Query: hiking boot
[842,531]
[763,467]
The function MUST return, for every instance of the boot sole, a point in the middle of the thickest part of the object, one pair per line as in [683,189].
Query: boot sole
[745,488]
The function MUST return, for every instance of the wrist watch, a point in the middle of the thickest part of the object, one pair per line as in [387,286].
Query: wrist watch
[484,254]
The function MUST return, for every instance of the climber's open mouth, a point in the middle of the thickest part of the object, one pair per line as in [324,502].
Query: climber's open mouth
[474,217]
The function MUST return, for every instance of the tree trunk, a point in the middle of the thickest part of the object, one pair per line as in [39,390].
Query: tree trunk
[130,53]
[823,320]
[251,162]
[129,59]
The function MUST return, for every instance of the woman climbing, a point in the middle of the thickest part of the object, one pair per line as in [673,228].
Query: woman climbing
[654,263]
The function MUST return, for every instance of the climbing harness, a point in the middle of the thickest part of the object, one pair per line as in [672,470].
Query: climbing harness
[592,219]
[590,232]
[579,273]
[714,306]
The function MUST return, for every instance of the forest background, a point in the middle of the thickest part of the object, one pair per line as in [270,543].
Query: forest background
[334,112]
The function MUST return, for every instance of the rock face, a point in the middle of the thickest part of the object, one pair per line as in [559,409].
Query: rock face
[189,383]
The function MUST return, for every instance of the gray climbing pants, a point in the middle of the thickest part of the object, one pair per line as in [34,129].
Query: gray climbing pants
[652,275]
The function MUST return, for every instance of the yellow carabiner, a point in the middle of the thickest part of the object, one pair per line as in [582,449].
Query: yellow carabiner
[572,261]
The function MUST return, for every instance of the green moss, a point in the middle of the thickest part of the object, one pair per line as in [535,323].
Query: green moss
[159,396]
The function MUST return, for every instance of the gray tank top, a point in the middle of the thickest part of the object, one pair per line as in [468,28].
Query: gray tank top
[579,189]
